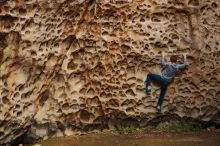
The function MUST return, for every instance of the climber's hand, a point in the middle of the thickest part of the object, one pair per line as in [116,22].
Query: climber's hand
[185,55]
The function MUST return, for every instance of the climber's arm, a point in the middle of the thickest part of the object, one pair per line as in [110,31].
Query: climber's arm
[184,64]
[163,60]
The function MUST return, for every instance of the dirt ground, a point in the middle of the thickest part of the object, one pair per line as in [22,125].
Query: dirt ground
[193,139]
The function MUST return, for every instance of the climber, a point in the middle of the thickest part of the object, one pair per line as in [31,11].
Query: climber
[169,71]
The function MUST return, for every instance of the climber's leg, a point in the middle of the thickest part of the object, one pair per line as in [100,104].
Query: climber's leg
[162,95]
[152,77]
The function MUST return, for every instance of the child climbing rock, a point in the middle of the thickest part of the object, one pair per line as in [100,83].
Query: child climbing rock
[165,77]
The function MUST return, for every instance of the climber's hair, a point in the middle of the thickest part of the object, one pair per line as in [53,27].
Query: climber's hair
[173,58]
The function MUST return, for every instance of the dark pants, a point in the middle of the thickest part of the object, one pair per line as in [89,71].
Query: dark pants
[163,84]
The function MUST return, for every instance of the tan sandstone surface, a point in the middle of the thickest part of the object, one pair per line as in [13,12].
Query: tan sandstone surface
[70,66]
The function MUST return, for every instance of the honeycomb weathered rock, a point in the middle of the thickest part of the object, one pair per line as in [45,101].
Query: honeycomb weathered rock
[68,65]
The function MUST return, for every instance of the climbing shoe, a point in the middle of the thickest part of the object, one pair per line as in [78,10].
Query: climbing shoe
[147,91]
[158,108]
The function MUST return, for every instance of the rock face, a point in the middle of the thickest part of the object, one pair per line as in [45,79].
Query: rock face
[74,65]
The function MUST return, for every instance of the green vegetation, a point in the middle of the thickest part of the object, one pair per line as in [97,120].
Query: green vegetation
[126,130]
[180,127]
[172,127]
[132,130]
